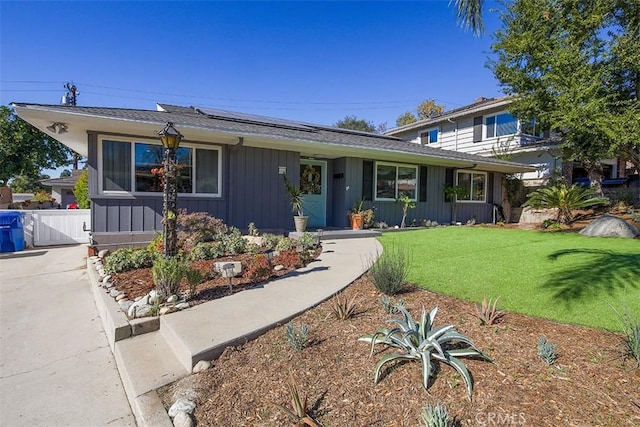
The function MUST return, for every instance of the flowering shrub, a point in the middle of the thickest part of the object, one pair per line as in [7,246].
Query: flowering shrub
[197,227]
[258,269]
[289,259]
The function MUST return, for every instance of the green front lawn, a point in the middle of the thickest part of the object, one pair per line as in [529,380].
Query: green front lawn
[560,276]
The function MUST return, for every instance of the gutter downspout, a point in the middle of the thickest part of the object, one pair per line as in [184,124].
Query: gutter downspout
[456,133]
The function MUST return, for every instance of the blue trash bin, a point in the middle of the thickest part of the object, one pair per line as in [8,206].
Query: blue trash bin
[11,231]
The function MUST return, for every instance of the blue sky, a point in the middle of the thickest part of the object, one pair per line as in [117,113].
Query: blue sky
[308,61]
[312,61]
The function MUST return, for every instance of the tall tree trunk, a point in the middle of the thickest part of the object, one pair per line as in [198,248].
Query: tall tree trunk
[595,172]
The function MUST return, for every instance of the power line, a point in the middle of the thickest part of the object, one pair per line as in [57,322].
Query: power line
[330,106]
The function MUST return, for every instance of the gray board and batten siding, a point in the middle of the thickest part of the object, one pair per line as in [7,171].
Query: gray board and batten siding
[252,191]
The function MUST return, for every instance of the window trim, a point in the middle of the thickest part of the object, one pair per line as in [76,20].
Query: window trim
[396,165]
[472,173]
[132,142]
[485,128]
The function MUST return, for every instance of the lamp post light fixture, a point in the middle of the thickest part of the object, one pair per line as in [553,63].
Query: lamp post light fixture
[170,138]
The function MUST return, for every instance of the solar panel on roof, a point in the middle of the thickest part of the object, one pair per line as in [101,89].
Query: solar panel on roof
[253,118]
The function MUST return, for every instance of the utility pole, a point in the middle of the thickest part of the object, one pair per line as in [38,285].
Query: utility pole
[71,97]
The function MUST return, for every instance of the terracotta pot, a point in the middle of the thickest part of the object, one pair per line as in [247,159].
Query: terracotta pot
[357,221]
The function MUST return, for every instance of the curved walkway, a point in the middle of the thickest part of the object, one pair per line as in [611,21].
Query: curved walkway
[154,359]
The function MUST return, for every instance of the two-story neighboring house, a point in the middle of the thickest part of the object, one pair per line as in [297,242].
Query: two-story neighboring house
[486,126]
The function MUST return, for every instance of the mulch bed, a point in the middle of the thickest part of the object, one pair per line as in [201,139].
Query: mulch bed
[590,383]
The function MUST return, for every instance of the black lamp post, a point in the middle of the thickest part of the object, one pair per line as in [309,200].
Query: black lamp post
[170,138]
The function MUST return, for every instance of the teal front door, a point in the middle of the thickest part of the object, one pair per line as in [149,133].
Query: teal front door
[313,182]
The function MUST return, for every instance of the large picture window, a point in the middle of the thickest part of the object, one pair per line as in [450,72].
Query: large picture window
[501,125]
[393,180]
[138,167]
[475,184]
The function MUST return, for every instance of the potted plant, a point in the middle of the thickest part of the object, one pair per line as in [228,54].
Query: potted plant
[295,195]
[356,215]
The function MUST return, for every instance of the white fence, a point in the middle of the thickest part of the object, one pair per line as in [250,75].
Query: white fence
[48,227]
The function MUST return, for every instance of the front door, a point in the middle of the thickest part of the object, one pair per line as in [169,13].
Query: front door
[313,182]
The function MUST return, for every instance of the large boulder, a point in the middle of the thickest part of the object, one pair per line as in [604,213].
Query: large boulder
[610,226]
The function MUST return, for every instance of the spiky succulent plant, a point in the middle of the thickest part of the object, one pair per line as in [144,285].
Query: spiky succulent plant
[436,416]
[423,342]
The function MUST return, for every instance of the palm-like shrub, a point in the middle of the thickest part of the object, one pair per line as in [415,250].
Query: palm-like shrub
[565,199]
[423,342]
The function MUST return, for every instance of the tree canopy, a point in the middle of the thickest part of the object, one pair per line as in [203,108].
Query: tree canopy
[575,66]
[425,110]
[25,151]
[352,122]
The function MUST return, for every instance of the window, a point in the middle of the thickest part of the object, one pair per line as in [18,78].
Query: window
[149,168]
[393,180]
[116,166]
[534,127]
[138,167]
[500,125]
[474,183]
[429,137]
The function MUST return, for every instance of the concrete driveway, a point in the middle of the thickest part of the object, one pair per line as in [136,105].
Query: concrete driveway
[56,367]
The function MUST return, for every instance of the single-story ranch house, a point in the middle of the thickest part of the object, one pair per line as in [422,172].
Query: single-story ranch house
[231,166]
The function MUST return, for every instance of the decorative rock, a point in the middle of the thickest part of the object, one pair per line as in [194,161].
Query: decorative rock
[121,296]
[182,305]
[182,419]
[125,305]
[93,259]
[139,308]
[115,293]
[167,310]
[101,271]
[108,285]
[278,267]
[144,299]
[153,296]
[103,253]
[182,405]
[201,366]
[172,299]
[610,226]
[143,310]
[106,278]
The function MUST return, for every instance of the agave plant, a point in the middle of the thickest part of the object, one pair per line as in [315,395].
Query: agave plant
[436,416]
[565,199]
[422,342]
[299,407]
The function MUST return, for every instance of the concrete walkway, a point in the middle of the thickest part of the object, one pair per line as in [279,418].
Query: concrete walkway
[56,367]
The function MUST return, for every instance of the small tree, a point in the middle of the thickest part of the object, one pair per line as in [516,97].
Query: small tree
[453,192]
[407,203]
[81,190]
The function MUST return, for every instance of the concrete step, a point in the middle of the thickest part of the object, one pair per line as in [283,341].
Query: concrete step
[147,362]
